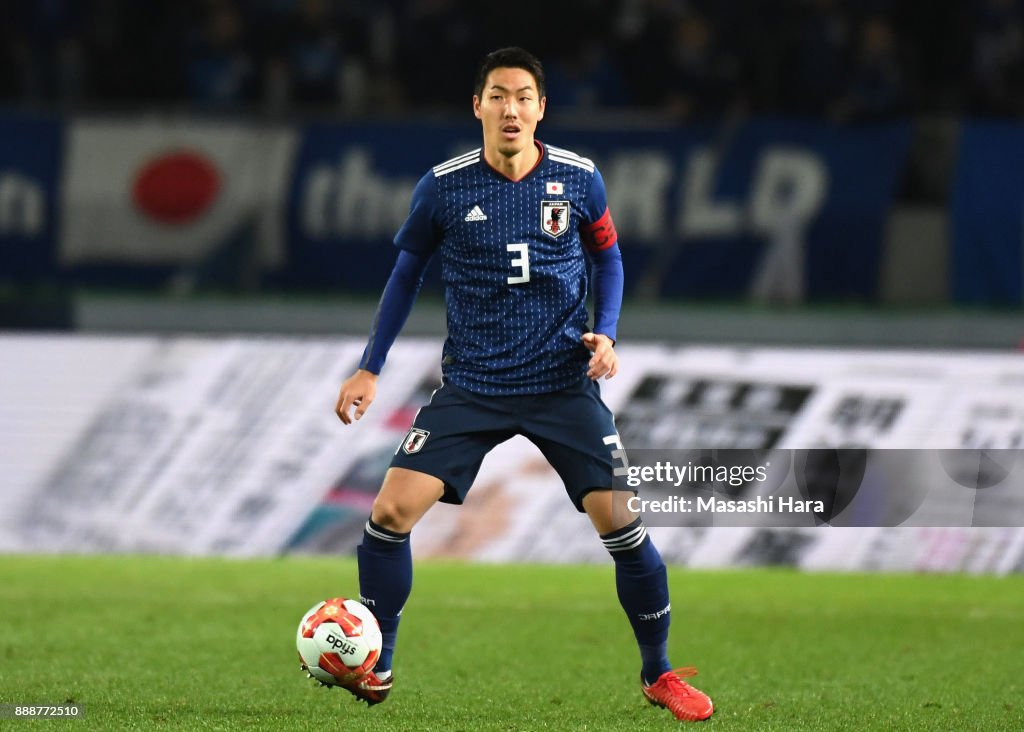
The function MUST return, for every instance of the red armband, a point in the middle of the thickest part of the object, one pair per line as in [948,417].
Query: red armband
[599,234]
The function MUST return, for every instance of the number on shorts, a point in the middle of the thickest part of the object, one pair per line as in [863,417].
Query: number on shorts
[619,453]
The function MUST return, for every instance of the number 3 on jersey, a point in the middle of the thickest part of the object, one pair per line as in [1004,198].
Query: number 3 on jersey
[522,262]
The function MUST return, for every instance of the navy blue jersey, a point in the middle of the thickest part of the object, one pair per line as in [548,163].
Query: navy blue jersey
[513,266]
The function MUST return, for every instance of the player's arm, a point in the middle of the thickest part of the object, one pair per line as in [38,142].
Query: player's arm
[601,242]
[393,310]
[416,240]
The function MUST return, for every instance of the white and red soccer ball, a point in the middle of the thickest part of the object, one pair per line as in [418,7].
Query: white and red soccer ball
[338,641]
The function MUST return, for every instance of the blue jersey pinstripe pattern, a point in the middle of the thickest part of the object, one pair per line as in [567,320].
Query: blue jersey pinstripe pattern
[520,338]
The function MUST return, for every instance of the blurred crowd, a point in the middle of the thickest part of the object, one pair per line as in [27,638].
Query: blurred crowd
[846,60]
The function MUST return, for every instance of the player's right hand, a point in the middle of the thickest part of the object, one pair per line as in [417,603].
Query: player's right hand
[357,391]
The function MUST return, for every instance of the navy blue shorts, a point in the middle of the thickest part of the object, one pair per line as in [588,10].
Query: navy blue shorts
[573,429]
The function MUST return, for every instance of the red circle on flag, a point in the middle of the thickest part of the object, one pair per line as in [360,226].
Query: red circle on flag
[176,188]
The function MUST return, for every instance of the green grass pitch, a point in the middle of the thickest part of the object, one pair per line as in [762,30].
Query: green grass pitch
[161,643]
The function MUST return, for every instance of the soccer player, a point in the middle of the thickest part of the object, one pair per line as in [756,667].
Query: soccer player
[511,222]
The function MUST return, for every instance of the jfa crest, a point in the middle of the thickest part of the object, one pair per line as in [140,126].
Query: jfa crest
[415,440]
[554,217]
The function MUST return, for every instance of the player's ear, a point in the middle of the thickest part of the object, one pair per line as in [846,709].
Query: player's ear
[543,103]
[476,106]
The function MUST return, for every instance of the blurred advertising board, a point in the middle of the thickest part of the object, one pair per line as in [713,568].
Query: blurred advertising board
[780,210]
[203,446]
[31,159]
[987,215]
[783,209]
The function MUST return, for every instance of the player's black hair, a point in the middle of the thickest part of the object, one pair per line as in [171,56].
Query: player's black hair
[510,58]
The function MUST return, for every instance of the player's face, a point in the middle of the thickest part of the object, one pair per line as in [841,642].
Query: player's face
[509,109]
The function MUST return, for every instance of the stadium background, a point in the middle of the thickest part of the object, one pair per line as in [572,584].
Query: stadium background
[784,174]
[786,177]
[820,208]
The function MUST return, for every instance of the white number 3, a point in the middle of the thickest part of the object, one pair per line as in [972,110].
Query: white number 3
[522,261]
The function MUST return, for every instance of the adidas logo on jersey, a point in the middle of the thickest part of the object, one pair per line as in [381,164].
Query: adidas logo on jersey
[476,215]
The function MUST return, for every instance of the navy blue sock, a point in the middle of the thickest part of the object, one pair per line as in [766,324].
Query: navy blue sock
[385,581]
[642,586]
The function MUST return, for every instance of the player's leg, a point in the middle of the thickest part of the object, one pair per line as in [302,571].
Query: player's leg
[385,565]
[437,460]
[586,468]
[578,437]
[404,497]
[385,555]
[641,581]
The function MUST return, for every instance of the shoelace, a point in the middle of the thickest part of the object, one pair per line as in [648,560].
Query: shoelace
[675,681]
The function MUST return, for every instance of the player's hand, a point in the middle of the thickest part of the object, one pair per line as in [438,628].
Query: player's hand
[357,391]
[604,362]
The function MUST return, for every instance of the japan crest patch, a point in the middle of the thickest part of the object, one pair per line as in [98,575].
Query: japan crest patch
[554,217]
[415,440]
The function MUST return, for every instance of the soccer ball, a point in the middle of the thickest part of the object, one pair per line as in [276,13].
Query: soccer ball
[338,641]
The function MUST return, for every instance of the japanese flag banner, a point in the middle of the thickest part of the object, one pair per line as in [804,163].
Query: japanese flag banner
[164,193]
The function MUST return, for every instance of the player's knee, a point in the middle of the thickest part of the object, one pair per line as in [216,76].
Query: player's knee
[403,499]
[609,510]
[392,515]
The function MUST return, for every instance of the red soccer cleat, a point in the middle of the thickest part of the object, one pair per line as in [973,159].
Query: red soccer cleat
[370,689]
[672,693]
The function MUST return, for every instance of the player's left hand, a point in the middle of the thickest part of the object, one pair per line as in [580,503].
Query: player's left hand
[604,362]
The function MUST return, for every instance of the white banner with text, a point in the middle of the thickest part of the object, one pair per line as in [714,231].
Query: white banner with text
[199,446]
